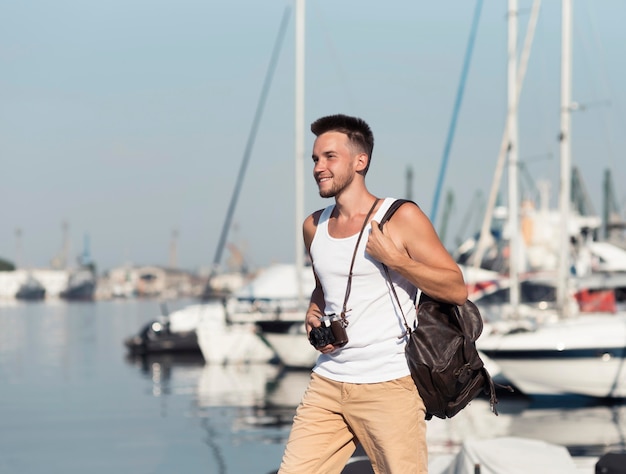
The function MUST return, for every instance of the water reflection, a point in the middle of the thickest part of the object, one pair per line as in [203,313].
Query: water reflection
[288,389]
[235,385]
[261,386]
[584,426]
[243,404]
[587,430]
[170,373]
[48,340]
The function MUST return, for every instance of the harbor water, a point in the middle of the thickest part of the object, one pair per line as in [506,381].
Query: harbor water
[73,401]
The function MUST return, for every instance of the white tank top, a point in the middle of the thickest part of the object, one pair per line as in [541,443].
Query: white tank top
[375,349]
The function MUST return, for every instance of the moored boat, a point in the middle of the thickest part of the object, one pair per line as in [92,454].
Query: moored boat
[583,355]
[157,337]
[31,290]
[289,340]
[224,342]
[81,286]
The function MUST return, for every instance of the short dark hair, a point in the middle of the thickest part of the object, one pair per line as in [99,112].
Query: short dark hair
[357,130]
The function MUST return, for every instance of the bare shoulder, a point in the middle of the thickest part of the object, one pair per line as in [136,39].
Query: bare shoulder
[313,219]
[413,228]
[410,215]
[309,226]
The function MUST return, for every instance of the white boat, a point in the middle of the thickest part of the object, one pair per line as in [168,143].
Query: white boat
[224,342]
[583,355]
[289,340]
[271,301]
[272,295]
[232,332]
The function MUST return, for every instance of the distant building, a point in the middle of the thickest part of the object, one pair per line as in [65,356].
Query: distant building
[149,281]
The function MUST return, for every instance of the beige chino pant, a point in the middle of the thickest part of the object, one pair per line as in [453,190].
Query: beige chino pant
[387,418]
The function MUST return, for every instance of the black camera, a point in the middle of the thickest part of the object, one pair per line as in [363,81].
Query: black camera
[332,331]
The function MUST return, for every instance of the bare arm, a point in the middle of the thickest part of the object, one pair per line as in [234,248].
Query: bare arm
[409,245]
[317,302]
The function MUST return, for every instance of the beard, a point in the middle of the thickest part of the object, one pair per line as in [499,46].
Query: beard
[338,185]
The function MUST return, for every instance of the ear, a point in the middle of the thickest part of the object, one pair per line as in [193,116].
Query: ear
[362,161]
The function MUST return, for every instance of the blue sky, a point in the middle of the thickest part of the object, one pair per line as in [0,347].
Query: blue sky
[128,119]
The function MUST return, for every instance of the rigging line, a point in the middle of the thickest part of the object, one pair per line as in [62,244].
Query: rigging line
[474,206]
[587,52]
[481,245]
[335,58]
[457,107]
[598,52]
[251,137]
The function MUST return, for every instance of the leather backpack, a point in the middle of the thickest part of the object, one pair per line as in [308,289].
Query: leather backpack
[441,352]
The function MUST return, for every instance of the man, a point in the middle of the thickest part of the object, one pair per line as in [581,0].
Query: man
[362,392]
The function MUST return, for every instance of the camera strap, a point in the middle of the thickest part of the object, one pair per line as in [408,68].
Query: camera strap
[344,320]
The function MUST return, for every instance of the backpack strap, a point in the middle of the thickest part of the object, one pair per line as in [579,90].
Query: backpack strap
[390,212]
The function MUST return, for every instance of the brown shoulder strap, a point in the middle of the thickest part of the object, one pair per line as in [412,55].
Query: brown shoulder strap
[390,212]
[349,285]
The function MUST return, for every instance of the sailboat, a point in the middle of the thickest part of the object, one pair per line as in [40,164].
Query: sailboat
[274,305]
[224,328]
[582,354]
[287,335]
[261,312]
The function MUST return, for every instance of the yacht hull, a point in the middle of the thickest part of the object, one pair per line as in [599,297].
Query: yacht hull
[289,340]
[582,356]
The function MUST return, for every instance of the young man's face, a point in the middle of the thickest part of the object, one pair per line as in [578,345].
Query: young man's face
[334,163]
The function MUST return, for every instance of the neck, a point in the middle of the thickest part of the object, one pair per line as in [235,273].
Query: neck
[351,205]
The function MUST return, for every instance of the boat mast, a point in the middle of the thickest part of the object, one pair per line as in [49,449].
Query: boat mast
[481,246]
[299,144]
[513,147]
[565,152]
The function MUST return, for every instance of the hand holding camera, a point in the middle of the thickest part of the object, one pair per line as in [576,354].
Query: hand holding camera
[332,331]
